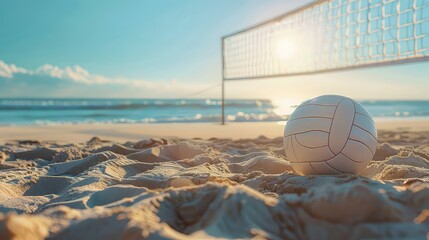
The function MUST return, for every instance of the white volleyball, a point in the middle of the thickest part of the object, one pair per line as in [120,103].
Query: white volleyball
[330,135]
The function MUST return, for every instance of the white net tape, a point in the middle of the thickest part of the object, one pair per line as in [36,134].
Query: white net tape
[330,35]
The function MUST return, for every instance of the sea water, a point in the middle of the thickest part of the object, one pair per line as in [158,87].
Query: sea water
[58,111]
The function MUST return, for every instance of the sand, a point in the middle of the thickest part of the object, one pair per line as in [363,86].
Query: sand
[210,188]
[77,133]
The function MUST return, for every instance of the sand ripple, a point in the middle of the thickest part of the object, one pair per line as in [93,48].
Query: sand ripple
[208,189]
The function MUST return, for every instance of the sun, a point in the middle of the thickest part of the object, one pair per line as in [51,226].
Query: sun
[285,106]
[285,46]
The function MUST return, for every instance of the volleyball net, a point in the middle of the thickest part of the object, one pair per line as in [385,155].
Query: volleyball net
[330,35]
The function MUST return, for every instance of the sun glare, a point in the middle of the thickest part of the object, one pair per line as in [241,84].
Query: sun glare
[285,47]
[285,106]
[292,46]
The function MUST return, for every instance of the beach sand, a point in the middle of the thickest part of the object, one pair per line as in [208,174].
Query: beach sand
[77,133]
[204,181]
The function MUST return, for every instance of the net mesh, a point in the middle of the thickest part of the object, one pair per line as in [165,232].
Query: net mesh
[330,35]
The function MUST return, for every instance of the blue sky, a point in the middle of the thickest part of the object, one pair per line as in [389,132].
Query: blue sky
[158,48]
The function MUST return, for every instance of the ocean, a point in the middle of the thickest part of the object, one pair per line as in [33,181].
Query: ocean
[59,111]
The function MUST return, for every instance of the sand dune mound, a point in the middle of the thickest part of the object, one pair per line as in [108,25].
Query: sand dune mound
[208,189]
[78,166]
[168,153]
[223,211]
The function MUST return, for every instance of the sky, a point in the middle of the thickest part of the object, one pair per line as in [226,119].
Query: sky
[159,49]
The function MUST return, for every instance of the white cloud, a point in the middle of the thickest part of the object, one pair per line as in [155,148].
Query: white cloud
[76,74]
[76,81]
[49,70]
[8,70]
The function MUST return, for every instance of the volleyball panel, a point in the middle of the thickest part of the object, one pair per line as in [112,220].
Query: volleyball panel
[313,139]
[343,164]
[305,154]
[307,124]
[306,111]
[303,168]
[323,168]
[341,125]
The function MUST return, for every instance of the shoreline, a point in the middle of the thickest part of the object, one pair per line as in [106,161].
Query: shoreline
[376,119]
[136,131]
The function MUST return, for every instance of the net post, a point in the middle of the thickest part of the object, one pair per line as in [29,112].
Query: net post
[223,101]
[223,81]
